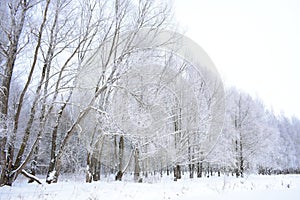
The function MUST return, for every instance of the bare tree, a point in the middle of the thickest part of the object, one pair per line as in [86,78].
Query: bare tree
[18,10]
[11,31]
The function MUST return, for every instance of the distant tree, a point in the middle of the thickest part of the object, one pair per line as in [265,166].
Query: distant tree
[289,134]
[247,119]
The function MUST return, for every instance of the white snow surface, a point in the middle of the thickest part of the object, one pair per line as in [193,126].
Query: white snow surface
[155,188]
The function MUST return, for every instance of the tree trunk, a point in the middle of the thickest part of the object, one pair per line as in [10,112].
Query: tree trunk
[168,171]
[191,157]
[119,176]
[191,169]
[96,167]
[177,172]
[136,166]
[53,155]
[236,170]
[207,171]
[199,169]
[6,177]
[93,168]
[89,175]
[115,158]
[241,158]
[121,154]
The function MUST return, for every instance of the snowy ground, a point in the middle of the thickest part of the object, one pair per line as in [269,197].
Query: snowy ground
[226,187]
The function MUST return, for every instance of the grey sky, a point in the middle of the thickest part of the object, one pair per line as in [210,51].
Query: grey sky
[254,44]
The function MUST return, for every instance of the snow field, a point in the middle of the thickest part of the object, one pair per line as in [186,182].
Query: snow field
[226,187]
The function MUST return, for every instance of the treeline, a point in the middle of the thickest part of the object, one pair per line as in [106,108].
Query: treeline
[253,140]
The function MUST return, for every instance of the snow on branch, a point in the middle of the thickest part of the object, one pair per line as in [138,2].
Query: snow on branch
[30,176]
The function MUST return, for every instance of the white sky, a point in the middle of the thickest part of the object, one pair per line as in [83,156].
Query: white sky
[255,45]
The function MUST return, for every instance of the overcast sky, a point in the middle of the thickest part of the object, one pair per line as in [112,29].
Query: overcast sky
[255,45]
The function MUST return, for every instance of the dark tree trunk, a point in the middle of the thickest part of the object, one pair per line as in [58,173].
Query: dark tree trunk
[119,176]
[94,163]
[207,171]
[168,171]
[177,172]
[53,149]
[115,158]
[6,177]
[96,167]
[199,169]
[121,154]
[191,169]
